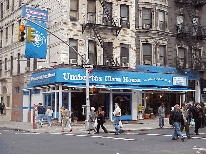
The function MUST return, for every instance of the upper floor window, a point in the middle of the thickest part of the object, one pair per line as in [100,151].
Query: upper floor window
[107,18]
[0,68]
[161,17]
[147,53]
[124,56]
[124,22]
[1,38]
[180,25]
[91,11]
[162,55]
[7,4]
[11,66]
[107,52]
[146,18]
[16,90]
[12,33]
[73,10]
[34,64]
[7,29]
[1,10]
[18,63]
[73,56]
[181,57]
[12,5]
[20,3]
[5,66]
[92,55]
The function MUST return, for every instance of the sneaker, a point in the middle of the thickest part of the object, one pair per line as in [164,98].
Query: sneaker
[106,131]
[116,134]
[197,133]
[96,133]
[189,137]
[183,139]
[174,139]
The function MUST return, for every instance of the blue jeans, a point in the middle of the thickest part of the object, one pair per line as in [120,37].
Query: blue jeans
[40,117]
[116,124]
[49,120]
[161,121]
[177,131]
[186,129]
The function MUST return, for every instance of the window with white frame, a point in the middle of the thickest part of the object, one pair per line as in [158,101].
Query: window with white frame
[161,17]
[7,4]
[147,54]
[7,33]
[124,55]
[73,56]
[107,52]
[12,33]
[1,10]
[12,5]
[74,10]
[106,19]
[91,11]
[5,62]
[181,57]
[162,55]
[20,3]
[146,18]
[1,38]
[92,52]
[124,12]
[0,68]
[180,26]
[11,66]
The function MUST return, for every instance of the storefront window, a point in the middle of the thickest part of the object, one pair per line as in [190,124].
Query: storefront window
[124,103]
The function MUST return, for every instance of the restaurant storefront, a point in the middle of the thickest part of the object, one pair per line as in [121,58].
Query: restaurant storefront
[66,87]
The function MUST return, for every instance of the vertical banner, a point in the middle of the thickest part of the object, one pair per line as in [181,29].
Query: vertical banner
[37,49]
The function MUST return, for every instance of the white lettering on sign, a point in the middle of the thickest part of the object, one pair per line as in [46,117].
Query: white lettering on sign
[44,76]
[109,78]
[67,76]
[127,79]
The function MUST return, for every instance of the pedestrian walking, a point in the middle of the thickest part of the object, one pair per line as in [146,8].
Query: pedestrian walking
[61,114]
[176,119]
[117,115]
[49,113]
[66,119]
[2,108]
[92,119]
[197,114]
[140,111]
[186,114]
[161,112]
[41,113]
[100,120]
[203,118]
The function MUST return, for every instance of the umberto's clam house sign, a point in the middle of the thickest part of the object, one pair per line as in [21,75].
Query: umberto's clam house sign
[102,77]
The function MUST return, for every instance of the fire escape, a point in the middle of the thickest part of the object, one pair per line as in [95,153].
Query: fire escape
[192,34]
[110,63]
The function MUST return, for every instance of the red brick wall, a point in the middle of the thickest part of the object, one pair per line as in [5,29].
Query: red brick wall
[16,115]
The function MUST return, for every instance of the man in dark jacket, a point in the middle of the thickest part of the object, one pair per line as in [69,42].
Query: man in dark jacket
[100,120]
[2,108]
[176,119]
[197,112]
[41,113]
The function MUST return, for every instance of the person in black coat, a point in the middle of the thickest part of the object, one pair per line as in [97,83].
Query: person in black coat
[197,114]
[100,120]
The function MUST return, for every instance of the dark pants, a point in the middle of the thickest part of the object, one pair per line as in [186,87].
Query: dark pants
[197,124]
[2,109]
[186,129]
[98,127]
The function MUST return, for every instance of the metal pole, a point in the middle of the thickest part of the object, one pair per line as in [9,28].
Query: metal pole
[87,83]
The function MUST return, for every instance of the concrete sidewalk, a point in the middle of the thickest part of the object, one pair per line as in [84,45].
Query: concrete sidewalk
[79,127]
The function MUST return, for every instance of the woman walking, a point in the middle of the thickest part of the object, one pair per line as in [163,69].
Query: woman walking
[49,113]
[100,120]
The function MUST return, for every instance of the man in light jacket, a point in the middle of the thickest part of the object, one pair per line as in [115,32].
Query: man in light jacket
[161,112]
[117,115]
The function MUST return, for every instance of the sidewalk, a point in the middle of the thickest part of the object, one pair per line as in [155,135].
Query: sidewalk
[79,127]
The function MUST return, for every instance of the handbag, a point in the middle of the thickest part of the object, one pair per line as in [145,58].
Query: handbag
[120,124]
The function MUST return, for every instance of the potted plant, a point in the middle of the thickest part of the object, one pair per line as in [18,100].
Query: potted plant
[146,113]
[152,116]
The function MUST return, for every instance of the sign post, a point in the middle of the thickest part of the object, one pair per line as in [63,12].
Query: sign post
[35,117]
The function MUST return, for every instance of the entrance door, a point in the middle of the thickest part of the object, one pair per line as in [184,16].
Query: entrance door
[49,100]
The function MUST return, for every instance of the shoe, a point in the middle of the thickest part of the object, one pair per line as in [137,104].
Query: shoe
[121,131]
[70,130]
[106,131]
[189,137]
[174,139]
[96,133]
[197,133]
[116,134]
[183,139]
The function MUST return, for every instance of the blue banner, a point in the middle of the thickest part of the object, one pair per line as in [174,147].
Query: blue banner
[37,49]
[114,78]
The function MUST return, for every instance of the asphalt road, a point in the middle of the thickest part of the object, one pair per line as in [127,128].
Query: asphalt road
[156,141]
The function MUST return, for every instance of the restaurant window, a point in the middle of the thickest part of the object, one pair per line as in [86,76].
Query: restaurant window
[91,12]
[107,52]
[124,102]
[73,56]
[106,20]
[124,56]
[73,10]
[147,54]
[162,55]
[92,52]
[146,18]
[124,22]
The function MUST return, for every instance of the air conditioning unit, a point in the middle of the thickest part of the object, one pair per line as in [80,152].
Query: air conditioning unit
[125,64]
[147,62]
[73,61]
[146,26]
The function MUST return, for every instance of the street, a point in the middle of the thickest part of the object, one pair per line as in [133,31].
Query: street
[156,141]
